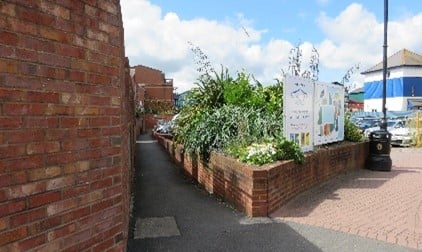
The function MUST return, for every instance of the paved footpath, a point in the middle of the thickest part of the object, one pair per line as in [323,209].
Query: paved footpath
[171,213]
[385,206]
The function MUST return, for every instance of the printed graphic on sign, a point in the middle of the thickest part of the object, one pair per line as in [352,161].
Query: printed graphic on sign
[298,112]
[329,113]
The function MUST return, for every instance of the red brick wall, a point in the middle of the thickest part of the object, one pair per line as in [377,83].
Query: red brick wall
[148,76]
[65,126]
[157,93]
[355,106]
[258,191]
[163,92]
[150,120]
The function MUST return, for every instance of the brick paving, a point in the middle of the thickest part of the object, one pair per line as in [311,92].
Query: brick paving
[385,206]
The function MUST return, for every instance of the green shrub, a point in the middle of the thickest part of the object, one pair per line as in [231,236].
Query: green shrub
[209,90]
[234,115]
[352,133]
[287,150]
[204,130]
[239,92]
[251,135]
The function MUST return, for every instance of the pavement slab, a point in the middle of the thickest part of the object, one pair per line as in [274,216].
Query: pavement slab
[156,227]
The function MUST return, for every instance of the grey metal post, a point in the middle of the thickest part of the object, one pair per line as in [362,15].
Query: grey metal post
[380,141]
[384,72]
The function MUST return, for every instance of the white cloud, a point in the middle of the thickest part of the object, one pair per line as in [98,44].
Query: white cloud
[160,40]
[405,33]
[355,36]
[352,36]
[323,2]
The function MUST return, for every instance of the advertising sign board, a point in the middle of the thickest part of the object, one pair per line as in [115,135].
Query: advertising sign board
[298,111]
[313,112]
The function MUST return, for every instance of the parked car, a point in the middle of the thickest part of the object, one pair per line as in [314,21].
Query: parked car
[166,127]
[402,137]
[365,123]
[391,124]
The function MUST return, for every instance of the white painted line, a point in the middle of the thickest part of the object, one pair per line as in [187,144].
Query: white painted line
[255,220]
[146,141]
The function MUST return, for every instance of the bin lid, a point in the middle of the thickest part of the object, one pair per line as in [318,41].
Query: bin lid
[380,134]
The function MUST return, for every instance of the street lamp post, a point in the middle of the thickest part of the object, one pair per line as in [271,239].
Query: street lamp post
[384,68]
[380,140]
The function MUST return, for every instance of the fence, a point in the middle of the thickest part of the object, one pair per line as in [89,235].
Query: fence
[415,123]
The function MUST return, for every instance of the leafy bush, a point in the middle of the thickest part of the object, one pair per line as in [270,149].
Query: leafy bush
[204,130]
[209,92]
[234,115]
[239,127]
[239,92]
[352,132]
[289,150]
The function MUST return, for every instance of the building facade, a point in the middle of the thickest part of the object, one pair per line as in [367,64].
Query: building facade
[153,92]
[403,85]
[153,89]
[356,98]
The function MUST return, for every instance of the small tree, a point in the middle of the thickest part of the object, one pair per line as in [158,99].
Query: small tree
[349,73]
[295,64]
[201,60]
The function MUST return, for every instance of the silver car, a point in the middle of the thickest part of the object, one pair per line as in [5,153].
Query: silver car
[402,137]
[391,124]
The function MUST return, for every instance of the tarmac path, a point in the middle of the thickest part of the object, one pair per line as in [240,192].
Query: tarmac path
[348,213]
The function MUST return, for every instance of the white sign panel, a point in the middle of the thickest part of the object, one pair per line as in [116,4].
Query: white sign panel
[328,113]
[298,111]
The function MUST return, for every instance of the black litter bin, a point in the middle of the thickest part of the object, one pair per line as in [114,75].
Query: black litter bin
[379,151]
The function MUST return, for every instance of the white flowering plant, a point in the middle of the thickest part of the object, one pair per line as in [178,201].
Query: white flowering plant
[268,151]
[259,154]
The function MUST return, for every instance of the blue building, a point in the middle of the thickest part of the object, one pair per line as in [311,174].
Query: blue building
[404,83]
[180,100]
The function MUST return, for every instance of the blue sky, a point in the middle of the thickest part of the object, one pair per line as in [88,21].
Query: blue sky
[292,20]
[258,35]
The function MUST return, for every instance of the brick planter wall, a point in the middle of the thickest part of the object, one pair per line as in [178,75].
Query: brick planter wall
[66,126]
[258,191]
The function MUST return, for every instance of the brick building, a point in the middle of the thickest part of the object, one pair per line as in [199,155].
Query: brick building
[66,126]
[356,99]
[155,92]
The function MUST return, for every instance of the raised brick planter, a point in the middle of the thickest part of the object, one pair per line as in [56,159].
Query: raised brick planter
[260,190]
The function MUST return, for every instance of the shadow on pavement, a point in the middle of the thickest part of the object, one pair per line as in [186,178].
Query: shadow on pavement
[304,203]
